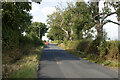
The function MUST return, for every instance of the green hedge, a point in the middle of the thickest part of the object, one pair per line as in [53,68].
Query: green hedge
[106,49]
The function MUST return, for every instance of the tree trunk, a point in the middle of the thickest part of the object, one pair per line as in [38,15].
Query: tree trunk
[99,26]
[99,29]
[71,34]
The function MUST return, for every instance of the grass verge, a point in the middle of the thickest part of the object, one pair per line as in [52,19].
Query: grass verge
[92,57]
[27,66]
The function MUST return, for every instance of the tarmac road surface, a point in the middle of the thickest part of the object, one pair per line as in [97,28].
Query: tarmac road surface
[58,63]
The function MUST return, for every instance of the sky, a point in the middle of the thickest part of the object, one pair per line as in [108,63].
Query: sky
[47,7]
[40,11]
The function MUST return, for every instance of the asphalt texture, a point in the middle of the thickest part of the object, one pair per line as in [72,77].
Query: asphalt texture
[58,63]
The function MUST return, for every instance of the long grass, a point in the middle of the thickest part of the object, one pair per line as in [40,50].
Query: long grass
[28,65]
[87,50]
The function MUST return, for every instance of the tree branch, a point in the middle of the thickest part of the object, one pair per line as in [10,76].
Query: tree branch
[65,31]
[62,27]
[111,22]
[107,16]
[71,30]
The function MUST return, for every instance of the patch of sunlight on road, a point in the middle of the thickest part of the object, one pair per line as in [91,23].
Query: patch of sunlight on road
[59,62]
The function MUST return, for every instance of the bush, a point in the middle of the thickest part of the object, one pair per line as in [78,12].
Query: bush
[55,41]
[104,49]
[102,52]
[37,41]
[83,46]
[79,45]
[113,50]
[109,49]
[26,43]
[93,47]
[65,42]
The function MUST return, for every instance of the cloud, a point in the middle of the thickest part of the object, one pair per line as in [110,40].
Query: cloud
[39,12]
[48,10]
[112,31]
[35,9]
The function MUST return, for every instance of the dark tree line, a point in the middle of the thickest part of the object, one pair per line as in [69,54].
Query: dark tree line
[16,19]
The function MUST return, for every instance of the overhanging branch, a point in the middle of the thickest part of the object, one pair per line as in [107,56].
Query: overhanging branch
[107,16]
[111,22]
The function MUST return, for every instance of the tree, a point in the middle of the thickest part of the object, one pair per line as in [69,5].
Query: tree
[55,33]
[100,18]
[61,19]
[116,6]
[37,28]
[72,20]
[81,19]
[15,19]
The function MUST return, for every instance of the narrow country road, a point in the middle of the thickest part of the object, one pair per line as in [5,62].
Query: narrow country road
[57,63]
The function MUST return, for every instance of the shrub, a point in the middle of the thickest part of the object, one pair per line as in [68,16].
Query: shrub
[79,45]
[55,41]
[26,43]
[72,44]
[37,41]
[65,42]
[93,46]
[109,49]
[113,50]
[102,48]
[83,46]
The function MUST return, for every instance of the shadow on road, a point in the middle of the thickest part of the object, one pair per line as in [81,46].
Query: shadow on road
[58,63]
[52,54]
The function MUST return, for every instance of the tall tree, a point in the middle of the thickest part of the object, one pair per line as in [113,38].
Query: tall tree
[81,19]
[72,20]
[15,19]
[55,33]
[37,28]
[116,6]
[100,18]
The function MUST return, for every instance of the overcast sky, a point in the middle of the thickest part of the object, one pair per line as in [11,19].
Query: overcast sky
[47,7]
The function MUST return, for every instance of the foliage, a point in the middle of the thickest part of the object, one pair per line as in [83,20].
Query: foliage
[109,49]
[37,28]
[102,48]
[26,67]
[116,7]
[101,17]
[55,33]
[15,19]
[81,20]
[70,22]
[75,22]
[107,52]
